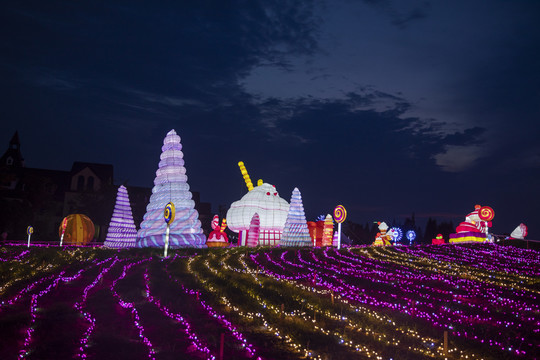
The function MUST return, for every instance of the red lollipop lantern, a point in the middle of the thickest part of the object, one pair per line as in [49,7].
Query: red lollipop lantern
[486,213]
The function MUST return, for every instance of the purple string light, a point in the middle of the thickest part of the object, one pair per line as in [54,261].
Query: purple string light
[220,317]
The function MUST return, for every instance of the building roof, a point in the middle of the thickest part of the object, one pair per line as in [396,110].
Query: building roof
[103,171]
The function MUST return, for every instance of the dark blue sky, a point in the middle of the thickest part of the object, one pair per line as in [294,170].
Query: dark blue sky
[386,107]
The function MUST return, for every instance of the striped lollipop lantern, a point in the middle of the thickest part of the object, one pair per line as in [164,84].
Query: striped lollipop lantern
[340,214]
[486,213]
[29,231]
[168,215]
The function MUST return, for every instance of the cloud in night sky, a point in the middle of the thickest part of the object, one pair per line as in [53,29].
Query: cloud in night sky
[391,106]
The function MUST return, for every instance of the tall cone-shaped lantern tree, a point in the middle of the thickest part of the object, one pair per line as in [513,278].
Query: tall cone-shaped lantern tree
[170,185]
[295,232]
[122,232]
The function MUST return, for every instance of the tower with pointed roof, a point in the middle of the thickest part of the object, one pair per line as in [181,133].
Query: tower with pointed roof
[13,157]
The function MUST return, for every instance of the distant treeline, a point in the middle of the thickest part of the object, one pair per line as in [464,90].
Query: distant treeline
[365,234]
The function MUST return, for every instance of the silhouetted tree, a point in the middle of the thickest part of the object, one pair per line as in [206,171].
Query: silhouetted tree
[445,229]
[431,230]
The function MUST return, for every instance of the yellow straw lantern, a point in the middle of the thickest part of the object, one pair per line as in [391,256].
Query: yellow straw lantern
[223,225]
[245,175]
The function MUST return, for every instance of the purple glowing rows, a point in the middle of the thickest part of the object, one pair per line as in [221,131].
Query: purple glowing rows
[468,317]
[17,257]
[483,256]
[511,292]
[25,350]
[471,288]
[332,275]
[220,317]
[195,341]
[87,315]
[80,305]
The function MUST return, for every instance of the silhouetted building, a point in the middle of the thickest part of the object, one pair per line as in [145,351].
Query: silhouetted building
[42,198]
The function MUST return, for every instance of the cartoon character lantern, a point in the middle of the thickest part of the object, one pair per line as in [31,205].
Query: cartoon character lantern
[218,237]
[475,227]
[382,238]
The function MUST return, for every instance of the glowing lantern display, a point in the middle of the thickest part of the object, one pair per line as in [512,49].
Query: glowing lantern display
[340,214]
[215,222]
[272,210]
[169,214]
[295,232]
[328,231]
[382,238]
[79,229]
[475,227]
[122,232]
[519,232]
[316,232]
[29,231]
[439,240]
[170,185]
[396,234]
[411,235]
[245,175]
[253,232]
[218,237]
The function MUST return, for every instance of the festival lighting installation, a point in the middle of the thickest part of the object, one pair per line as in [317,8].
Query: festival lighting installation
[519,232]
[475,227]
[170,185]
[79,230]
[253,231]
[411,235]
[271,208]
[397,234]
[245,175]
[328,231]
[439,240]
[340,214]
[382,238]
[122,232]
[29,232]
[295,232]
[366,302]
[218,237]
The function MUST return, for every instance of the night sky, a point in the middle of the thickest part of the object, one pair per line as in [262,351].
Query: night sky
[386,107]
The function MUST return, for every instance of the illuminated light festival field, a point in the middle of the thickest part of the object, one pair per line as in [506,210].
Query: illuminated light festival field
[228,180]
[270,303]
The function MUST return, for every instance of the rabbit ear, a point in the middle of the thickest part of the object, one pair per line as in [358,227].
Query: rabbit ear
[215,222]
